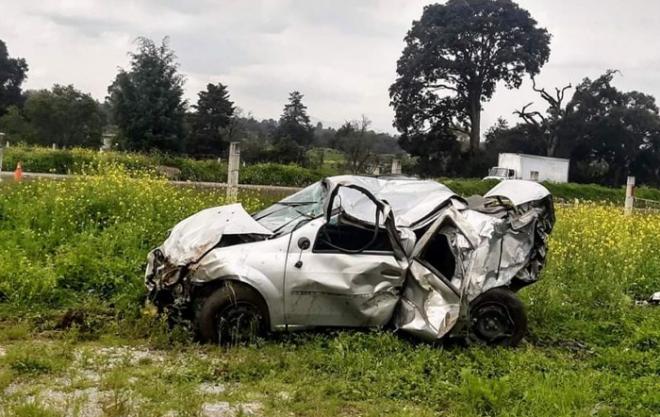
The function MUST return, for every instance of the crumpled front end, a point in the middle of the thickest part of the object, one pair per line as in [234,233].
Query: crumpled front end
[166,275]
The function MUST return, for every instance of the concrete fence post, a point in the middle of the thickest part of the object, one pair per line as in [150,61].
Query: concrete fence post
[233,166]
[630,196]
[107,139]
[396,166]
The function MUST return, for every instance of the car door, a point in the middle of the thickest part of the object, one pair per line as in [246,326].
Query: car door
[433,302]
[340,274]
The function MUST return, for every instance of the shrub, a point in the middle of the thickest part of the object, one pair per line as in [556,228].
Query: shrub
[278,174]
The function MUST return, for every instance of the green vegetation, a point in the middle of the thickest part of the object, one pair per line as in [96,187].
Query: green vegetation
[79,160]
[75,335]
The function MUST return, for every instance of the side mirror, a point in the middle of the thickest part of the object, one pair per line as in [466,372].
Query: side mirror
[304,243]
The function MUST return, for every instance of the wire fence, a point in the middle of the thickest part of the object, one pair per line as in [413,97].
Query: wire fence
[645,204]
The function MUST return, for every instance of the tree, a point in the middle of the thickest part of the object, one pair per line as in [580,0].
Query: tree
[357,143]
[13,72]
[294,132]
[453,58]
[607,133]
[294,121]
[550,123]
[521,138]
[62,115]
[14,125]
[147,104]
[614,133]
[211,121]
[436,150]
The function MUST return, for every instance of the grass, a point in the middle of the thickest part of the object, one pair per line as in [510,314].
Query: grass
[76,339]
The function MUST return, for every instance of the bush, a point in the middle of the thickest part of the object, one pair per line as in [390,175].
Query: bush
[278,174]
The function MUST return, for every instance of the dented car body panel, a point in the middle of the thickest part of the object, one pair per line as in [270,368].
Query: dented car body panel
[354,251]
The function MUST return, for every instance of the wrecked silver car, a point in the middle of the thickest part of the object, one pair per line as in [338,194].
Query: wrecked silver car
[351,251]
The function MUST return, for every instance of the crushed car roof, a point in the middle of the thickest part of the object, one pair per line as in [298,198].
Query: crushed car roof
[411,199]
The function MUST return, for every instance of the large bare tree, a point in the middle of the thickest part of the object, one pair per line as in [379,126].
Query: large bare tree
[548,124]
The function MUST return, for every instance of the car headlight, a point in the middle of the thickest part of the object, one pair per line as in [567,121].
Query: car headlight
[159,272]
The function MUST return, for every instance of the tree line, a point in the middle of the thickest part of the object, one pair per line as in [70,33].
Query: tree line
[454,57]
[145,111]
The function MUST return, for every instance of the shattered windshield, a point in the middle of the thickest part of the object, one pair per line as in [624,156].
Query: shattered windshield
[282,216]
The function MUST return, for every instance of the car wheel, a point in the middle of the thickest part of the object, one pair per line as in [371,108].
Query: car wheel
[497,317]
[234,314]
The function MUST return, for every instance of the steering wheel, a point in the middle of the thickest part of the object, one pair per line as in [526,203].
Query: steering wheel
[374,237]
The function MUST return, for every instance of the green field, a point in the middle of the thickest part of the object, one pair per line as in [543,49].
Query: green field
[77,340]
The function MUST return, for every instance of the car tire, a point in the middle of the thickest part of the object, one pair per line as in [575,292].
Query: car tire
[234,314]
[497,318]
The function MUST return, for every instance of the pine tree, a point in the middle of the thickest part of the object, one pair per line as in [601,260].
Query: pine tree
[294,132]
[146,101]
[210,122]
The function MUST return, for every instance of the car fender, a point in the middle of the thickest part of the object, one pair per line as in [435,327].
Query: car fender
[217,265]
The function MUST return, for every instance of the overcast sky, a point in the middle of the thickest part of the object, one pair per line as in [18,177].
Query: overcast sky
[340,54]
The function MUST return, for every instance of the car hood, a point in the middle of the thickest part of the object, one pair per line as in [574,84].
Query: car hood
[519,192]
[193,237]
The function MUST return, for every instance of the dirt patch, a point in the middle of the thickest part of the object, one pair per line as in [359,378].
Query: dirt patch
[78,390]
[219,409]
[111,357]
[211,389]
[224,409]
[249,409]
[83,403]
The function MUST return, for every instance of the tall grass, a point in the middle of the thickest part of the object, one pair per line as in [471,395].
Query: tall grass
[63,241]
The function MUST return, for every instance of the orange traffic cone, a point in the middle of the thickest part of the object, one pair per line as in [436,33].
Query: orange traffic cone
[18,174]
